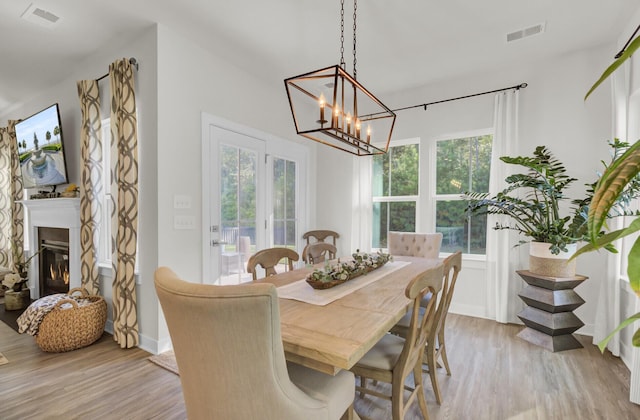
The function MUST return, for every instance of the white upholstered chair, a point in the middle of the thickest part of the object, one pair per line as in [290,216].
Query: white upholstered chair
[425,245]
[393,359]
[230,356]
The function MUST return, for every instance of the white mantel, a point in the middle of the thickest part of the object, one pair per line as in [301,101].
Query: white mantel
[55,213]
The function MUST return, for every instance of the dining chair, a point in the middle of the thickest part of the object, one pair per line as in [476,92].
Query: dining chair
[268,259]
[320,236]
[411,244]
[317,252]
[228,348]
[394,358]
[436,346]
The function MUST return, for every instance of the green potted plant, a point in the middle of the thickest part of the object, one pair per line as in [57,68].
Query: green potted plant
[616,182]
[534,200]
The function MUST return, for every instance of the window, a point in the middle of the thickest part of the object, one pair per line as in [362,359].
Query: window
[462,164]
[104,197]
[395,191]
[284,203]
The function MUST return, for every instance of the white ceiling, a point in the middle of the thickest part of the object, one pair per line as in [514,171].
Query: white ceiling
[401,43]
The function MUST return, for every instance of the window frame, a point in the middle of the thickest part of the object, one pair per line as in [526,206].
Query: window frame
[433,198]
[400,198]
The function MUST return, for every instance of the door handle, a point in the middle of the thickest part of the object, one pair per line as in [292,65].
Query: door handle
[217,243]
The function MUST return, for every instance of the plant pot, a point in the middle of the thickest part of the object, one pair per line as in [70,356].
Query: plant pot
[14,301]
[544,263]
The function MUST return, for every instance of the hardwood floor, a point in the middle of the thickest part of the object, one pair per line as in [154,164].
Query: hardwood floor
[495,375]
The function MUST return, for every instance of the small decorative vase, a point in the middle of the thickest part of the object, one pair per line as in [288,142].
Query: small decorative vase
[14,301]
[544,263]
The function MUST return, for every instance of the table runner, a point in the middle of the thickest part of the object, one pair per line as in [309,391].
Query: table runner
[302,291]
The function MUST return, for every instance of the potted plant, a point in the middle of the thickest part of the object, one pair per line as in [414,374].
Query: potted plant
[18,294]
[534,202]
[616,182]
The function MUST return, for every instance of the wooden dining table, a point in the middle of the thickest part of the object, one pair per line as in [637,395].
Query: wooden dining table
[335,336]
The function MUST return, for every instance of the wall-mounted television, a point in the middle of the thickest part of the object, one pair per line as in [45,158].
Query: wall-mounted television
[41,151]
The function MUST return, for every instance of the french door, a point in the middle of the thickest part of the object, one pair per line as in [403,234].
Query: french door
[251,198]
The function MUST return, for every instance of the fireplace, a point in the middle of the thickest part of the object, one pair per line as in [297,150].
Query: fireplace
[58,219]
[54,260]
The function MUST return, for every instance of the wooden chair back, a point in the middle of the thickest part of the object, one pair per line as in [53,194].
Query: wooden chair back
[317,252]
[269,258]
[320,236]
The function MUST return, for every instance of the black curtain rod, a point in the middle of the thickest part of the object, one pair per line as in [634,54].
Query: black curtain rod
[133,62]
[627,44]
[516,87]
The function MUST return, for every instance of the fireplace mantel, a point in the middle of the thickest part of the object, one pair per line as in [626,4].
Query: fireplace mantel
[58,213]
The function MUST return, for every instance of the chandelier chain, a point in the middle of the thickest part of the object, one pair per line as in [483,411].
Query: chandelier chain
[355,8]
[342,63]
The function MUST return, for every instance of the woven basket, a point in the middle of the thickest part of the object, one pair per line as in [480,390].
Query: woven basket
[72,328]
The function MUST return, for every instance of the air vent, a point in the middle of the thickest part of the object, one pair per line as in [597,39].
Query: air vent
[526,32]
[39,16]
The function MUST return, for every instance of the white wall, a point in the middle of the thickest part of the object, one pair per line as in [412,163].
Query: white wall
[552,113]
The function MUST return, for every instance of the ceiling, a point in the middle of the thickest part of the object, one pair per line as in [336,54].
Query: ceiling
[400,44]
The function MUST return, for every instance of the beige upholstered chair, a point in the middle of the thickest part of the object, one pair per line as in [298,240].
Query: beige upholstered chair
[269,258]
[436,347]
[230,356]
[394,358]
[317,252]
[425,245]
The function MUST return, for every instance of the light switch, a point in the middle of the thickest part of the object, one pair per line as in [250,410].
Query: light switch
[181,201]
[184,222]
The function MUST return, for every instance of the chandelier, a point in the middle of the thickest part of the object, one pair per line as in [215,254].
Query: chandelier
[331,107]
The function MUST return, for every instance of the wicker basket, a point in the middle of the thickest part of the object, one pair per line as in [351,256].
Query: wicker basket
[72,328]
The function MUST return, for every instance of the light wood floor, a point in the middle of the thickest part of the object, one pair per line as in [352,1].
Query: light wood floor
[495,376]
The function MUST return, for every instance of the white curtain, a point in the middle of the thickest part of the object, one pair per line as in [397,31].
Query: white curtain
[362,205]
[503,282]
[608,311]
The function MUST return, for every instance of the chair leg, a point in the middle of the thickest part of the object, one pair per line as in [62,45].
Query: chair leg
[443,351]
[363,384]
[431,362]
[397,399]
[348,415]
[417,379]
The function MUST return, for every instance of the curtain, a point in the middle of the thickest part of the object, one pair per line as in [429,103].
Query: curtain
[503,284]
[91,187]
[608,309]
[124,193]
[11,192]
[361,205]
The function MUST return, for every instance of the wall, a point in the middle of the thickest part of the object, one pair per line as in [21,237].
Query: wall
[552,113]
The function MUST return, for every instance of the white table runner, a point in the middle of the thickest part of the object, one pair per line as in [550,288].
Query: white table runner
[302,291]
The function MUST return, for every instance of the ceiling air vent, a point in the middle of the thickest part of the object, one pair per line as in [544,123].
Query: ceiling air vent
[39,16]
[523,33]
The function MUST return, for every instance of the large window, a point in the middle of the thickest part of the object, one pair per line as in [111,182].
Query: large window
[395,191]
[284,203]
[462,164]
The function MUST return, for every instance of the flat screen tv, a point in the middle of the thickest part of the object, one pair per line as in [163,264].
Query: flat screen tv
[41,151]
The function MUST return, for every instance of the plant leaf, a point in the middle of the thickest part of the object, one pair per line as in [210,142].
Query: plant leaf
[608,238]
[633,270]
[602,345]
[617,63]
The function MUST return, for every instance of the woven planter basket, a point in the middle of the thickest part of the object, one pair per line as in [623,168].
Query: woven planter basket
[72,328]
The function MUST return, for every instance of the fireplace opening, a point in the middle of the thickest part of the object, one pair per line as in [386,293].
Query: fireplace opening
[54,260]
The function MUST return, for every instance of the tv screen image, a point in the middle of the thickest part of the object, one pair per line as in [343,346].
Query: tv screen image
[41,150]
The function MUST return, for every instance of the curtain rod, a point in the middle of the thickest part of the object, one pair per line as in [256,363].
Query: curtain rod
[627,44]
[516,87]
[133,62]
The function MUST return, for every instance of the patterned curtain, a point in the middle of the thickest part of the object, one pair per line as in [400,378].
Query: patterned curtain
[11,191]
[91,187]
[124,193]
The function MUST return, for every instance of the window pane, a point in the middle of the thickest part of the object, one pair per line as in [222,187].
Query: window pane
[460,234]
[396,172]
[394,216]
[480,162]
[290,188]
[284,202]
[247,185]
[278,188]
[404,170]
[452,166]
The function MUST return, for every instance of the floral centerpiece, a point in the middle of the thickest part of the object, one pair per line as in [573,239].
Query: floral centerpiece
[334,274]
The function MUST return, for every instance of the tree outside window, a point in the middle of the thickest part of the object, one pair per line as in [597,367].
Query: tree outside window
[395,192]
[462,164]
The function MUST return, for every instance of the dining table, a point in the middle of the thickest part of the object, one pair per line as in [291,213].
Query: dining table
[344,322]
